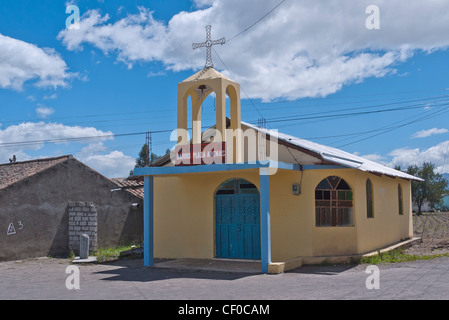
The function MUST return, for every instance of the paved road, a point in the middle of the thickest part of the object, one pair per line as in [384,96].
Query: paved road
[127,279]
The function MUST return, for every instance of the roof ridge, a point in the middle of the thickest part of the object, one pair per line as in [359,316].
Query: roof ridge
[37,160]
[13,173]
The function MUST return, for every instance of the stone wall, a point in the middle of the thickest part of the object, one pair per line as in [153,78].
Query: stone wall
[82,220]
[38,209]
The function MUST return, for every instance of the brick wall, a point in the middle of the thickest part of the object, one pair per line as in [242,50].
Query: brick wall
[82,220]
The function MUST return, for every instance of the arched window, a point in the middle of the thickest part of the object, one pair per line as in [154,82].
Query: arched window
[401,207]
[333,203]
[369,199]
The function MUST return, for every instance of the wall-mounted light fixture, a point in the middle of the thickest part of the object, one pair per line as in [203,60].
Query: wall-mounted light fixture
[296,188]
[135,206]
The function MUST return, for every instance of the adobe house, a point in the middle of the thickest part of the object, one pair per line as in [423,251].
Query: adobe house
[238,191]
[46,204]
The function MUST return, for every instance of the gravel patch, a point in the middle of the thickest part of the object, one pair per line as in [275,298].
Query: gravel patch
[433,229]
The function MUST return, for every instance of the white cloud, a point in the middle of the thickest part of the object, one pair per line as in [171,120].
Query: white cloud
[21,61]
[43,112]
[31,136]
[428,133]
[374,157]
[156,74]
[22,139]
[134,38]
[302,49]
[91,149]
[437,155]
[50,97]
[112,165]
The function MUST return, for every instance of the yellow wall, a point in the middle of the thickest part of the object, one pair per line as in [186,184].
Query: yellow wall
[185,214]
[387,226]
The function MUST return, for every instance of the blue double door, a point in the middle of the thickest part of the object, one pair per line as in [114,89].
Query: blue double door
[237,217]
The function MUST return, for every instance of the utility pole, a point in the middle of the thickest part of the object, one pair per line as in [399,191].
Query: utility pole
[147,142]
[151,148]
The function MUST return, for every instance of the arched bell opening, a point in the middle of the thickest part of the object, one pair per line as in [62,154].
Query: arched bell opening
[199,91]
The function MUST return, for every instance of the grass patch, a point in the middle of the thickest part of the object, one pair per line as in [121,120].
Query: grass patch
[71,255]
[398,256]
[110,254]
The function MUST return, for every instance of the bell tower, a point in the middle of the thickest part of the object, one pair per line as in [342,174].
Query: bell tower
[198,87]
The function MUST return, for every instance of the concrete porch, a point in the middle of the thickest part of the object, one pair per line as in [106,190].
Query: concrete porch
[254,266]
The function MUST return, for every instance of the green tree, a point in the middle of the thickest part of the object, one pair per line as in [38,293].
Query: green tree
[144,157]
[431,190]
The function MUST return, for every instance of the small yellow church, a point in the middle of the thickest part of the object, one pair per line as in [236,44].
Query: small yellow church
[238,191]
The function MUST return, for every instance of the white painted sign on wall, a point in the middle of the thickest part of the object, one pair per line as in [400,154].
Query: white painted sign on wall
[12,229]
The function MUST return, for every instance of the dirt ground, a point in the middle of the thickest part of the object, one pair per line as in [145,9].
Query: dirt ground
[433,229]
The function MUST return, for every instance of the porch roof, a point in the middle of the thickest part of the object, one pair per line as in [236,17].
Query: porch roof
[175,170]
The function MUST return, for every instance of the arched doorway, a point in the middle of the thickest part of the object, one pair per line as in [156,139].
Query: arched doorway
[237,220]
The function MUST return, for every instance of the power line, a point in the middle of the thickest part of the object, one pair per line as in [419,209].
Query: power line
[360,133]
[322,116]
[275,120]
[87,138]
[352,102]
[399,126]
[413,119]
[104,136]
[241,88]
[83,116]
[289,118]
[263,17]
[164,110]
[74,139]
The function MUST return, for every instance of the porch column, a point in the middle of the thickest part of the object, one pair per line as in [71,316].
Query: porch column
[265,232]
[148,240]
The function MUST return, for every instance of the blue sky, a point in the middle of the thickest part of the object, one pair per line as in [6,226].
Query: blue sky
[117,75]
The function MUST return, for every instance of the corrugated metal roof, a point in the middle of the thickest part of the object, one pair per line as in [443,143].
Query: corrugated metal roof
[338,156]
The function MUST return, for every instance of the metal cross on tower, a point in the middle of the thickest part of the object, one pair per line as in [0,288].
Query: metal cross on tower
[208,44]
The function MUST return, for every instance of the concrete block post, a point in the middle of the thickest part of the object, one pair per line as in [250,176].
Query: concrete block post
[82,221]
[84,246]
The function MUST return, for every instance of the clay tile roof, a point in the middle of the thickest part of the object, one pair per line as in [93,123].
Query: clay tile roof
[11,173]
[135,187]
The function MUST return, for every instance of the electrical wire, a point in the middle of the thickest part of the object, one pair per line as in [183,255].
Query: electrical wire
[106,136]
[437,113]
[241,88]
[263,17]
